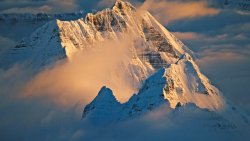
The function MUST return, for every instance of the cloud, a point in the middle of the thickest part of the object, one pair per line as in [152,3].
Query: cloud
[187,35]
[65,5]
[232,36]
[48,105]
[41,119]
[211,25]
[167,10]
[242,28]
[215,55]
[188,124]
[80,78]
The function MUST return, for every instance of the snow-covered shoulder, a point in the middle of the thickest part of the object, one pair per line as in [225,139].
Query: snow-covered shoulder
[186,84]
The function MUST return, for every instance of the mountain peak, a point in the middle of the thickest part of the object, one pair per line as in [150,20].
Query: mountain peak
[103,103]
[105,94]
[121,5]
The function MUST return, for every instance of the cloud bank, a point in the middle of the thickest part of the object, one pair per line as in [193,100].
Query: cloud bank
[168,10]
[81,77]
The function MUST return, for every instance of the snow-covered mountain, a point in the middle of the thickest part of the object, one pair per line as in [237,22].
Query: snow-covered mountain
[157,63]
[176,84]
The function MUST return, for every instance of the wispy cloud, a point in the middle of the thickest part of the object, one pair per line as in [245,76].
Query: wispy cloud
[187,35]
[81,78]
[167,10]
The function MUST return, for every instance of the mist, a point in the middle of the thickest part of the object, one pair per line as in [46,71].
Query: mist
[79,79]
[48,105]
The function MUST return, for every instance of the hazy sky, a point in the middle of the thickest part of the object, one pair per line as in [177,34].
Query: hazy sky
[219,34]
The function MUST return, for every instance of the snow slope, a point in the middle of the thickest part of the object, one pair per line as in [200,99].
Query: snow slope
[14,27]
[42,48]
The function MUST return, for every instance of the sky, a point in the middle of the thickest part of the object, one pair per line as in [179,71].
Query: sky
[218,33]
